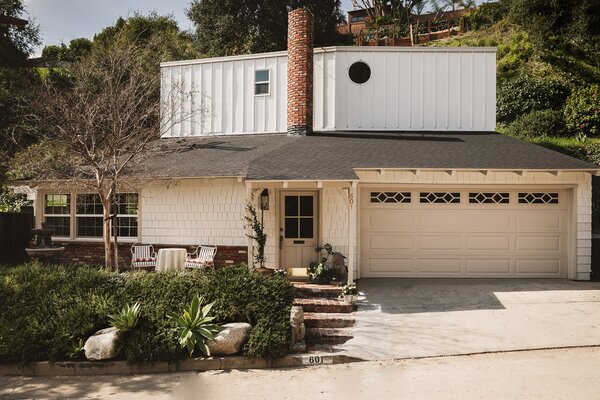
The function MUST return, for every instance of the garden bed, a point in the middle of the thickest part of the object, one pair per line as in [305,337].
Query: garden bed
[48,309]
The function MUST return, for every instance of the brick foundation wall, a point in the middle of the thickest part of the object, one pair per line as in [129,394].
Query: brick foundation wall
[92,253]
[300,72]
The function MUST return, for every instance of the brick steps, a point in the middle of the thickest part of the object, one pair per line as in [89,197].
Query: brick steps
[328,335]
[309,290]
[321,305]
[328,320]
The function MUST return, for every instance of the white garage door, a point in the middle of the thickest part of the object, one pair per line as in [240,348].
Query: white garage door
[464,233]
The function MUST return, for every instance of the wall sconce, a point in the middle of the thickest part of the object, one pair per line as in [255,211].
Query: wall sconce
[264,200]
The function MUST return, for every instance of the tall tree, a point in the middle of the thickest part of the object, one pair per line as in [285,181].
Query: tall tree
[100,124]
[229,27]
[16,44]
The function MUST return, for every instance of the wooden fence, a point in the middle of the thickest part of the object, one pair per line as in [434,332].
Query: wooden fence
[15,234]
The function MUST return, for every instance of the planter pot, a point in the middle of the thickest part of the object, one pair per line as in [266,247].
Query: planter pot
[349,298]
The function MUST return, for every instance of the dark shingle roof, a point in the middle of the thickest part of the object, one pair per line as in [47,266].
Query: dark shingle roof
[331,156]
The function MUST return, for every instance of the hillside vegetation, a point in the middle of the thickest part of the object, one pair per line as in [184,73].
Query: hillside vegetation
[548,70]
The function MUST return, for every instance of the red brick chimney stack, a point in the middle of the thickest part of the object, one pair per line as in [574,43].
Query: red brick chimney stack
[300,72]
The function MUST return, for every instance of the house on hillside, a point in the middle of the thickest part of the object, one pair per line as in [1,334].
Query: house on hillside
[410,181]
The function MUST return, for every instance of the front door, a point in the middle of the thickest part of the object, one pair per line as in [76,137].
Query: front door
[298,230]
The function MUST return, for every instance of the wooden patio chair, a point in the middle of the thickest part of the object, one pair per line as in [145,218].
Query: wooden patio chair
[143,256]
[203,257]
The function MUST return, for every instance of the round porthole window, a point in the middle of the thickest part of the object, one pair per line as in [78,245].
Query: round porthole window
[359,72]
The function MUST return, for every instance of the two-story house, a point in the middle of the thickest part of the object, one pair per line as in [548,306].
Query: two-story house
[409,181]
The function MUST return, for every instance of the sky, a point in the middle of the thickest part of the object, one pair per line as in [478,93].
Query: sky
[61,21]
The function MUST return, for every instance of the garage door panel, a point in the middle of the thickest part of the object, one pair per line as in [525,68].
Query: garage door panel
[533,221]
[489,266]
[385,221]
[489,221]
[389,266]
[439,266]
[466,239]
[538,243]
[439,221]
[489,243]
[439,242]
[538,266]
[389,242]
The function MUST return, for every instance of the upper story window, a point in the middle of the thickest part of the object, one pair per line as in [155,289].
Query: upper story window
[358,18]
[261,82]
[359,72]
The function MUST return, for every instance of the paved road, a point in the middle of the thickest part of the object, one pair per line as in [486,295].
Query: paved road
[550,374]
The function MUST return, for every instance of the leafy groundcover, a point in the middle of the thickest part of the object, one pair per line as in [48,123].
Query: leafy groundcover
[47,309]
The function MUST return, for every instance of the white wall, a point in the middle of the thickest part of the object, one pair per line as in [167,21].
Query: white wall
[193,211]
[410,89]
[216,96]
[436,88]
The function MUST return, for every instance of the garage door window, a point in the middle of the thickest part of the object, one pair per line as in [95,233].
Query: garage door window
[390,197]
[439,198]
[488,198]
[538,198]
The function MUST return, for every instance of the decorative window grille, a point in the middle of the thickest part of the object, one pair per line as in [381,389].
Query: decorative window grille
[390,197]
[538,198]
[440,197]
[489,198]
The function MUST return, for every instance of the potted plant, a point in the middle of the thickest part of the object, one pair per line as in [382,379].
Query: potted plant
[349,292]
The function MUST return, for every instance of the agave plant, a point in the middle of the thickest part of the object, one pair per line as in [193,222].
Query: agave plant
[127,318]
[195,327]
[76,349]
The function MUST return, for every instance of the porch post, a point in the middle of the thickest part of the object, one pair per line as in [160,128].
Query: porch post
[248,227]
[352,229]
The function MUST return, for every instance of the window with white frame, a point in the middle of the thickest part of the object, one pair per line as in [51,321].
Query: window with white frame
[57,213]
[127,215]
[261,82]
[89,217]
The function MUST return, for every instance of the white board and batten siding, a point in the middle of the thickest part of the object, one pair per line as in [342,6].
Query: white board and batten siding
[417,89]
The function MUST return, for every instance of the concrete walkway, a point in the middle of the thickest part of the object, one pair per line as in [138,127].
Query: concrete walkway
[546,375]
[402,318]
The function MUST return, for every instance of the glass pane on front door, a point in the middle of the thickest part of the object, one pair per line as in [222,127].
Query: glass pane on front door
[298,217]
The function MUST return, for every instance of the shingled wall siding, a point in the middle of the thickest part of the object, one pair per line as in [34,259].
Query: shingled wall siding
[194,211]
[92,253]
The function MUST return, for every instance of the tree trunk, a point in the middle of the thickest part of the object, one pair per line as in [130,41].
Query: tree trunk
[108,254]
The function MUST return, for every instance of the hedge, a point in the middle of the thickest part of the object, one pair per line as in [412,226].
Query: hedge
[47,308]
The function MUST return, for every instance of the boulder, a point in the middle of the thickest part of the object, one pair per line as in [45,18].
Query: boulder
[339,263]
[231,339]
[103,345]
[298,329]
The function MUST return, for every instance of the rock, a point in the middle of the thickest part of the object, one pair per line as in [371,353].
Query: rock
[339,263]
[298,329]
[231,339]
[103,345]
[299,347]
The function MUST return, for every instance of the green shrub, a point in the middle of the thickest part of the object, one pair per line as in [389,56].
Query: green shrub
[46,309]
[582,111]
[538,123]
[519,96]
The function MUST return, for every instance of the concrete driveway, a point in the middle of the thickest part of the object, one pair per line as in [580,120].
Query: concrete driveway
[404,318]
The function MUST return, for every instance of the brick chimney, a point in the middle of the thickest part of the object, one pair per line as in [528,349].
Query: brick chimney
[300,72]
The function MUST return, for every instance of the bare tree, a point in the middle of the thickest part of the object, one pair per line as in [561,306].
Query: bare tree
[103,117]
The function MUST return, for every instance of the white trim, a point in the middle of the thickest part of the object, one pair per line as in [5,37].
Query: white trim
[329,49]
